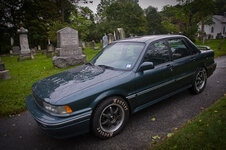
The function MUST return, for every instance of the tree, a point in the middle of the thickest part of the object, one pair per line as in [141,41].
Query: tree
[154,19]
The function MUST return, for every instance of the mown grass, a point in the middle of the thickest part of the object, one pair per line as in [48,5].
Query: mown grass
[24,74]
[214,44]
[206,132]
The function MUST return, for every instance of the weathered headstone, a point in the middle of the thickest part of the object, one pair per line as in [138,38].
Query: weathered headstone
[25,52]
[83,45]
[39,48]
[4,74]
[92,44]
[16,50]
[105,40]
[50,50]
[120,34]
[68,51]
[33,51]
[110,38]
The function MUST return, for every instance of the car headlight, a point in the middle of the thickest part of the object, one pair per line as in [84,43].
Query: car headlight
[57,109]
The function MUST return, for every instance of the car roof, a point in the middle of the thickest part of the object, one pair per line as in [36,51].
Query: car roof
[148,38]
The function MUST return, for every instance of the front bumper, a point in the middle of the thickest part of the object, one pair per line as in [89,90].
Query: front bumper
[59,127]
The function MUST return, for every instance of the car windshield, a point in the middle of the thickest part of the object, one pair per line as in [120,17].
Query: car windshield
[119,55]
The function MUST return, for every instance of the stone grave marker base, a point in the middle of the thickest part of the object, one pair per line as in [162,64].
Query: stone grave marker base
[25,56]
[4,75]
[63,62]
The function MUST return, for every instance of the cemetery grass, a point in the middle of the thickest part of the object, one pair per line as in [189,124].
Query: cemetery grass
[206,131]
[214,44]
[24,74]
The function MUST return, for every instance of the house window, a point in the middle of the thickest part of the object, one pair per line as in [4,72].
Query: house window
[224,30]
[212,29]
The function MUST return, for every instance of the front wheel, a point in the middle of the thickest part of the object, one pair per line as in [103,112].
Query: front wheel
[110,117]
[200,81]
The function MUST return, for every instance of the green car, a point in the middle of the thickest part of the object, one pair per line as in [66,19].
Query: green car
[125,77]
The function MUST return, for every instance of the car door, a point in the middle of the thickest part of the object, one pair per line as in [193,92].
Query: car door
[154,83]
[183,62]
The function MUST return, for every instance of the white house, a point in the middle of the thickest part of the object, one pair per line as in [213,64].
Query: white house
[218,27]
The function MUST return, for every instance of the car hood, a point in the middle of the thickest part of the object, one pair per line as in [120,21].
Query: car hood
[58,86]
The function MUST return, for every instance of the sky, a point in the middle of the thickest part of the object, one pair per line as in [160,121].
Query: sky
[143,4]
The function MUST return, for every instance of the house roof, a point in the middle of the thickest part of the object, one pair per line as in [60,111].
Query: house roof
[220,18]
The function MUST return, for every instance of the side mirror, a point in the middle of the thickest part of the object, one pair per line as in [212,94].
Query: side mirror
[146,66]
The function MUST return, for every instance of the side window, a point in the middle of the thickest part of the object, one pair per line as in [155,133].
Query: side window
[178,48]
[157,53]
[193,48]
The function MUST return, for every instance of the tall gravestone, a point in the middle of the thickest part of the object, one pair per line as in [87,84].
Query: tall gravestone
[68,52]
[4,74]
[120,34]
[110,38]
[105,40]
[25,52]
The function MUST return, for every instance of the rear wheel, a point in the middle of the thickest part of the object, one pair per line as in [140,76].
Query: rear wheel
[200,81]
[110,117]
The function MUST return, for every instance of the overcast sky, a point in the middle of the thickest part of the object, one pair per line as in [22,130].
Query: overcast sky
[143,4]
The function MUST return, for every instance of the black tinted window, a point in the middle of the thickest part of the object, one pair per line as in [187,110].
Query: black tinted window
[157,53]
[178,48]
[193,48]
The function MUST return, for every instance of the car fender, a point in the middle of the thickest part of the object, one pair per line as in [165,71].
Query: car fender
[106,94]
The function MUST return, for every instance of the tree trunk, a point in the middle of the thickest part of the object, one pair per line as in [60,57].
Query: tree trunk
[62,10]
[202,30]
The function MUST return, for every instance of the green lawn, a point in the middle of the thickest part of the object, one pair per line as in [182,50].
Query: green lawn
[206,132]
[23,74]
[214,44]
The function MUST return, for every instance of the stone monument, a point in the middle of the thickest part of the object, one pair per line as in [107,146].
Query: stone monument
[110,38]
[68,52]
[4,74]
[15,50]
[105,40]
[50,50]
[25,52]
[120,34]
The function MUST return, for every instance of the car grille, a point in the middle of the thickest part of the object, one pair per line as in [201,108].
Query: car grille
[38,100]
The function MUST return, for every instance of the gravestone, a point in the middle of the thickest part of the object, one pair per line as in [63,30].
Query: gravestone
[39,48]
[92,44]
[15,50]
[120,34]
[105,40]
[50,50]
[4,74]
[68,52]
[110,38]
[25,52]
[83,45]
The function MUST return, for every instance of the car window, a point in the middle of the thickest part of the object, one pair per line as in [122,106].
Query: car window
[193,48]
[178,48]
[157,53]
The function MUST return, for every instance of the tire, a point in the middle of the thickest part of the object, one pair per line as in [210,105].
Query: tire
[200,81]
[110,117]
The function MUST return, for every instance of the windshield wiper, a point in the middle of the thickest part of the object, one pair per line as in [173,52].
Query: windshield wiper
[105,66]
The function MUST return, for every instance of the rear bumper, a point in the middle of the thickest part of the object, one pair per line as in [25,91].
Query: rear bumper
[59,127]
[211,69]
